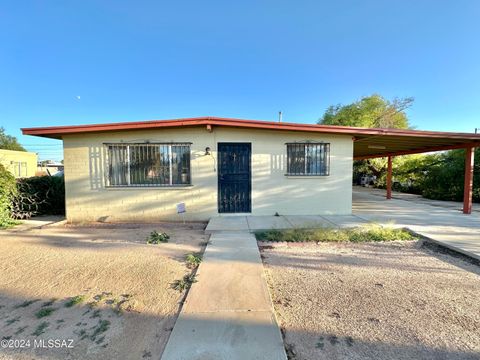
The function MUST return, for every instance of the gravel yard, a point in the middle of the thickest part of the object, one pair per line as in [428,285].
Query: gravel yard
[101,286]
[394,300]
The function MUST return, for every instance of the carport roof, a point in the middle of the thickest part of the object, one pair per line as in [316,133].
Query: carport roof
[368,143]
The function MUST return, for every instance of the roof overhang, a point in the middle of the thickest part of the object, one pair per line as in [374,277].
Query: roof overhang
[368,143]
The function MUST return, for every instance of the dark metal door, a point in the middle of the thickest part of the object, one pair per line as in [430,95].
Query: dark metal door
[234,177]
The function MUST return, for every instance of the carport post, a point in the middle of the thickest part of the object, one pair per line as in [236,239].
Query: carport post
[468,186]
[389,178]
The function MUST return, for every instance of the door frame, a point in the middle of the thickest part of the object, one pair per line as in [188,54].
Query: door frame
[249,176]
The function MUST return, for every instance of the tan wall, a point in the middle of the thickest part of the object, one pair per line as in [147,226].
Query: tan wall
[87,198]
[11,160]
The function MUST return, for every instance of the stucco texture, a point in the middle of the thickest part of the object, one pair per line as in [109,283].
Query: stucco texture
[19,163]
[89,199]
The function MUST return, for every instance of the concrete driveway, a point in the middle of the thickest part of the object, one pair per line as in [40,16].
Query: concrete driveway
[443,224]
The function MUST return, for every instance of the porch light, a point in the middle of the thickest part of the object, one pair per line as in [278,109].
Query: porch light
[207,151]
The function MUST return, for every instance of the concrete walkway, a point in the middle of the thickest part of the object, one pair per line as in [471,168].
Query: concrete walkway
[228,313]
[36,222]
[256,223]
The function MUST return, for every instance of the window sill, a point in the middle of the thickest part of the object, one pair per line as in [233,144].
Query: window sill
[306,176]
[182,187]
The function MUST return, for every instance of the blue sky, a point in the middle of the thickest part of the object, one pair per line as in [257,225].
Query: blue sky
[137,60]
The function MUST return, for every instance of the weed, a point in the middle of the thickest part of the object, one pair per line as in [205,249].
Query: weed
[156,238]
[13,320]
[49,303]
[320,344]
[44,312]
[360,234]
[92,304]
[75,300]
[96,314]
[82,333]
[184,283]
[26,303]
[101,327]
[118,308]
[40,329]
[102,296]
[193,260]
[20,330]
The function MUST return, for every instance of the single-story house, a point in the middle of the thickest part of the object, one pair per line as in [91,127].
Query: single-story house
[20,163]
[142,171]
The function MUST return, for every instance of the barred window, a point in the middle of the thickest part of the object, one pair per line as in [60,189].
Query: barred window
[305,159]
[148,164]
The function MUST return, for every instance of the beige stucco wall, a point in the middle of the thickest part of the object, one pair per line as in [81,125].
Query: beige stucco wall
[87,198]
[11,159]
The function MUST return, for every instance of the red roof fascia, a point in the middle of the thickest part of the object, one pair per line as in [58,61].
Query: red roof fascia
[253,124]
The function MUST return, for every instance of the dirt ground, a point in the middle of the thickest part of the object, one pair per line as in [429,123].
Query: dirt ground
[101,286]
[375,301]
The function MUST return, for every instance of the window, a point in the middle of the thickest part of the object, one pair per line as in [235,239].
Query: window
[19,169]
[305,159]
[148,164]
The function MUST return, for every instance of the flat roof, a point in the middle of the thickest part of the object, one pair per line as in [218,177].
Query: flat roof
[368,142]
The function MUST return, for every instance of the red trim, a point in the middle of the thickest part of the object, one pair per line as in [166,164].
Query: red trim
[389,178]
[421,150]
[57,131]
[468,184]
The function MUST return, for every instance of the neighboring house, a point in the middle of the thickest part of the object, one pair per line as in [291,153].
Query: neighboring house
[19,163]
[49,167]
[141,171]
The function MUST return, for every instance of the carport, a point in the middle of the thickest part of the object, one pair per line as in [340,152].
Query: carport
[375,143]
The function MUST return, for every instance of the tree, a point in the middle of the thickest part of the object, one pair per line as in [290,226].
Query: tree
[371,111]
[445,180]
[9,142]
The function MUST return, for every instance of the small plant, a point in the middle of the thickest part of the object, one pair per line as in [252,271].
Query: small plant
[13,320]
[75,300]
[49,303]
[96,313]
[193,260]
[184,283]
[26,303]
[40,329]
[101,327]
[156,238]
[20,330]
[44,312]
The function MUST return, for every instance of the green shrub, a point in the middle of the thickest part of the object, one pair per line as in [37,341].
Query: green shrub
[39,195]
[44,312]
[7,193]
[185,283]
[193,260]
[75,301]
[361,234]
[156,238]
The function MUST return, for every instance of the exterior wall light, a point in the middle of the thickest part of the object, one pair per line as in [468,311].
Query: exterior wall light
[207,151]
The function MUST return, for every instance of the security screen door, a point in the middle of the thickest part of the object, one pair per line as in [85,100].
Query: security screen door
[234,177]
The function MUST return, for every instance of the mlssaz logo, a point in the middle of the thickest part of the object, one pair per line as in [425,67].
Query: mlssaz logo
[53,343]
